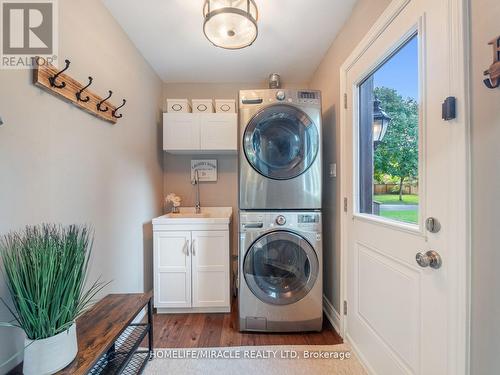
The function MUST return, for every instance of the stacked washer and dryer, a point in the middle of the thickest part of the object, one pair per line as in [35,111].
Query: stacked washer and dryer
[280,248]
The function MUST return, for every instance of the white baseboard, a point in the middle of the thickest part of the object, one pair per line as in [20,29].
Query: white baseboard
[191,310]
[332,314]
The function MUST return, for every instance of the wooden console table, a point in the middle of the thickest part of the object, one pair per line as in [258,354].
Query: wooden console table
[108,341]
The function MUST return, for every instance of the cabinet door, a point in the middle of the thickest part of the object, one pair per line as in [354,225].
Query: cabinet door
[210,259]
[219,131]
[172,269]
[181,132]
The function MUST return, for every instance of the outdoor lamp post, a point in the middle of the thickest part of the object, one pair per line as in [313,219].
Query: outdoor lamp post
[380,122]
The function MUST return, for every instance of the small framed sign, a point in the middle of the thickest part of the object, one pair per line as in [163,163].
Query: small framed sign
[207,170]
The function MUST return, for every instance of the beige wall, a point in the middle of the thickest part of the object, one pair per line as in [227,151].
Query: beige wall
[60,164]
[327,79]
[177,175]
[485,340]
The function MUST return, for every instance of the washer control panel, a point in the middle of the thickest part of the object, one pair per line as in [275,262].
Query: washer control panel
[262,221]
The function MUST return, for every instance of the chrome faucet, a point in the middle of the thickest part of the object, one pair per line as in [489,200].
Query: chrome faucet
[196,181]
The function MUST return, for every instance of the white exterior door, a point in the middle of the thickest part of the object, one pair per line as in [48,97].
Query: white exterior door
[210,254]
[172,259]
[402,317]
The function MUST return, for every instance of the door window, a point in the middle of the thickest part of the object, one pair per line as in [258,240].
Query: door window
[388,146]
[280,268]
[281,142]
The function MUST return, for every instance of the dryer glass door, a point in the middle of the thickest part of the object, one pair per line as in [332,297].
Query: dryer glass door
[280,268]
[281,142]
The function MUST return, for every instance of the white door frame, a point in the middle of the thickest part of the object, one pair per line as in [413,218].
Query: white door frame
[459,87]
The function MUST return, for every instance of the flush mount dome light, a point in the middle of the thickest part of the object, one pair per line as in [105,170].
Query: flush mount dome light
[230,24]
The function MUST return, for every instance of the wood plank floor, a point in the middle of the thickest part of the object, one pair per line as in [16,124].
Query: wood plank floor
[221,330]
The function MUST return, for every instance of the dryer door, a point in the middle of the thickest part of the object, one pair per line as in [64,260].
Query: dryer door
[281,142]
[280,268]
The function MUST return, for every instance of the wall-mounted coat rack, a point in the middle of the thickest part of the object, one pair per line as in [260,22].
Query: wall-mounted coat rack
[55,81]
[494,71]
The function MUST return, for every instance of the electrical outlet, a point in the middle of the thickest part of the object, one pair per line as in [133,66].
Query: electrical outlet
[333,170]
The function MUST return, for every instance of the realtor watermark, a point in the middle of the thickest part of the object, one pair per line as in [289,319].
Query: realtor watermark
[250,354]
[29,29]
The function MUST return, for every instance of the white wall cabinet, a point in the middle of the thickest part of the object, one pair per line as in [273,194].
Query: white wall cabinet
[200,132]
[191,268]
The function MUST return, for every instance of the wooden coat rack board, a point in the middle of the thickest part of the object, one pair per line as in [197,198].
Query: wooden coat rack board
[51,79]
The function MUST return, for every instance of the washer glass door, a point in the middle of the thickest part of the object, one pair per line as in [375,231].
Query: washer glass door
[280,268]
[281,142]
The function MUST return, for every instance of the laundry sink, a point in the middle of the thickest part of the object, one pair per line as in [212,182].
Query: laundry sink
[188,215]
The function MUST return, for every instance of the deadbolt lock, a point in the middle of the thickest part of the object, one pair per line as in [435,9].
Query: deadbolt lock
[432,225]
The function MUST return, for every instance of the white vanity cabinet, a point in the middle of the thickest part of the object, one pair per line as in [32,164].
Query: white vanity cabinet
[191,264]
[200,132]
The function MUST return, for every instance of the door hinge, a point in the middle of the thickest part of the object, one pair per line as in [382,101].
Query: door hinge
[345,100]
[345,204]
[345,307]
[449,108]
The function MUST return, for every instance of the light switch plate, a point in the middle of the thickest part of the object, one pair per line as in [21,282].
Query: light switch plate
[333,170]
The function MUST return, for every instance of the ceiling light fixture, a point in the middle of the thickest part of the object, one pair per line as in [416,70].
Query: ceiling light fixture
[230,24]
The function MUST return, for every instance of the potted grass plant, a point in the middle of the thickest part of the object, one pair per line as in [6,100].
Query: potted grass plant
[46,269]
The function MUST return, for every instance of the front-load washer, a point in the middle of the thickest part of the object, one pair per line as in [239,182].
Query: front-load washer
[280,271]
[280,158]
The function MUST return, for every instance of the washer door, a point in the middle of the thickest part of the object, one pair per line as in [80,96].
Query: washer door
[280,268]
[281,142]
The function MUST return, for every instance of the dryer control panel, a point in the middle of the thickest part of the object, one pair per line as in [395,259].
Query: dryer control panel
[311,98]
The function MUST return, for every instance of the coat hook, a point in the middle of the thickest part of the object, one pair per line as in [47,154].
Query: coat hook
[52,79]
[117,108]
[492,84]
[102,101]
[79,93]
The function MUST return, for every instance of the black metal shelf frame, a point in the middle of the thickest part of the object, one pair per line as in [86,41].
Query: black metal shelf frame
[125,357]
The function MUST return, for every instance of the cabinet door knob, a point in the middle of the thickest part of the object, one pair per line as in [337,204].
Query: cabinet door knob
[193,248]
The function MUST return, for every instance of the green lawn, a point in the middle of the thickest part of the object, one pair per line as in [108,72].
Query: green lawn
[394,199]
[408,216]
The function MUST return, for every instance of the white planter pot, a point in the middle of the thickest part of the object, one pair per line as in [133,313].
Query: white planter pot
[47,356]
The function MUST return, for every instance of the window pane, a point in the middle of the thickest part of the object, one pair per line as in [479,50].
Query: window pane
[388,138]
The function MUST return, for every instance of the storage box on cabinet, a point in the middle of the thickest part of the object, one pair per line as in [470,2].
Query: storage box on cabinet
[225,105]
[203,105]
[178,106]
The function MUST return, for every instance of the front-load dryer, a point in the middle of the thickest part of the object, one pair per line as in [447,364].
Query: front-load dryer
[280,158]
[280,271]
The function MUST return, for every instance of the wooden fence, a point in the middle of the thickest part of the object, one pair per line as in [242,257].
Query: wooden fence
[394,188]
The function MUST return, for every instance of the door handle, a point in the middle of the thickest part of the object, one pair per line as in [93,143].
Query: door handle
[192,248]
[186,245]
[430,258]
